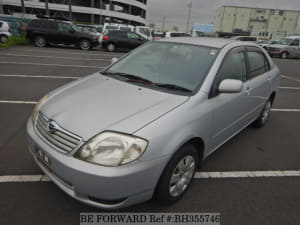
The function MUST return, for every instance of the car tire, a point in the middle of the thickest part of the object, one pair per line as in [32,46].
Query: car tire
[111,47]
[40,41]
[264,115]
[177,176]
[85,44]
[284,55]
[3,39]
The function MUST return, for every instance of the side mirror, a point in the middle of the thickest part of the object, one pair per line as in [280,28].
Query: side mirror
[114,60]
[230,86]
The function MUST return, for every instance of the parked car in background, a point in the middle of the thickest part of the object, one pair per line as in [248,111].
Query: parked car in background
[266,43]
[142,126]
[157,35]
[118,39]
[5,31]
[288,47]
[245,38]
[50,30]
[89,29]
[18,25]
[176,34]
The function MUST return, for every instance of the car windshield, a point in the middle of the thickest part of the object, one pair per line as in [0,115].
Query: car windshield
[285,41]
[167,65]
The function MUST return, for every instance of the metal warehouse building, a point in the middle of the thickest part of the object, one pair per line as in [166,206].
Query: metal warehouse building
[261,22]
[95,11]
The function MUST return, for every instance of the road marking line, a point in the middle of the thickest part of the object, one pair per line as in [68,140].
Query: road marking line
[55,57]
[198,175]
[285,110]
[289,78]
[45,64]
[247,174]
[290,88]
[18,102]
[38,76]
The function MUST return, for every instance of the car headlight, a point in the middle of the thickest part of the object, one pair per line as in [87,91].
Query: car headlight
[112,149]
[37,108]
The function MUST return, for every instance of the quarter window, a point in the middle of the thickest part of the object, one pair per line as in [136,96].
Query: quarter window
[65,27]
[258,64]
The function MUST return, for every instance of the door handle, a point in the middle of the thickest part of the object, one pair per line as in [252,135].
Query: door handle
[248,90]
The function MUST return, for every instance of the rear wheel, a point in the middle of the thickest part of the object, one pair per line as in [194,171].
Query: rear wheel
[177,176]
[3,39]
[111,47]
[85,44]
[40,41]
[284,55]
[263,117]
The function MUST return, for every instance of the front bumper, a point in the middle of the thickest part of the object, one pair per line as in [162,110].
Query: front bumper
[105,187]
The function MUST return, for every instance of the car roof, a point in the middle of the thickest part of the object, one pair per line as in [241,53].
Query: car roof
[293,37]
[210,42]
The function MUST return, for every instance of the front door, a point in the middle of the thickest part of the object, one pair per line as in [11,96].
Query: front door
[230,109]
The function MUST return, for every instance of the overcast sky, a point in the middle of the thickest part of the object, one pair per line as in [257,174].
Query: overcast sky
[203,11]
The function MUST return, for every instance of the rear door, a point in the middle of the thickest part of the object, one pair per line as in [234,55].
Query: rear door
[259,81]
[295,49]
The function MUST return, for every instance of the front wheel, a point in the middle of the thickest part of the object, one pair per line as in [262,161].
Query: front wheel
[85,44]
[263,117]
[177,176]
[284,55]
[40,41]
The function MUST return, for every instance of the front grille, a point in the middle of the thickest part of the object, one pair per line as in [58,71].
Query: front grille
[61,139]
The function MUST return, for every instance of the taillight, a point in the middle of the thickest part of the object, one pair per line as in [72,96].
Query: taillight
[153,38]
[105,38]
[9,30]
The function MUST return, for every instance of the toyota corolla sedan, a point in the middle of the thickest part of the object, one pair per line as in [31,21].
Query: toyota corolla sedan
[142,126]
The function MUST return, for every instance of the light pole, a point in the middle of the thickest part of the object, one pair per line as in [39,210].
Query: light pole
[163,24]
[190,5]
[70,10]
[23,7]
[47,8]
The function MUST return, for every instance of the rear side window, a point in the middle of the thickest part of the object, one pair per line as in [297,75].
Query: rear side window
[118,34]
[258,64]
[131,35]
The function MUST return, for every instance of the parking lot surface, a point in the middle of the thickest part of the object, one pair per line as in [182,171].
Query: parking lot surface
[262,166]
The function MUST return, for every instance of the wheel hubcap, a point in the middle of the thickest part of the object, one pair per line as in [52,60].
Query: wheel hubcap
[40,41]
[3,39]
[182,176]
[84,44]
[110,47]
[266,112]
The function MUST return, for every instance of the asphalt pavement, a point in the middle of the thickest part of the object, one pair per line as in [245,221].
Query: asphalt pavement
[27,73]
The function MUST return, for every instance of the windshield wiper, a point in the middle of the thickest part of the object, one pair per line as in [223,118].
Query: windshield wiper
[130,77]
[172,87]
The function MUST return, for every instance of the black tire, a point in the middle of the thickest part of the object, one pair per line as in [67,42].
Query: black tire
[85,44]
[111,47]
[3,39]
[165,186]
[264,115]
[40,41]
[284,55]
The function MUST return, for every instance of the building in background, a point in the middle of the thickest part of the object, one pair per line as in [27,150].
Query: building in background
[202,30]
[93,11]
[261,22]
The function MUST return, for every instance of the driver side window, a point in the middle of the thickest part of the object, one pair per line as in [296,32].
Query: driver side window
[233,67]
[295,43]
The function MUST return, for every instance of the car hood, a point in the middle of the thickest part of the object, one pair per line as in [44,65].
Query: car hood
[277,46]
[99,103]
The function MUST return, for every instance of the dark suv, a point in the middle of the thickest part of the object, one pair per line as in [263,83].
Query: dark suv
[120,39]
[49,30]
